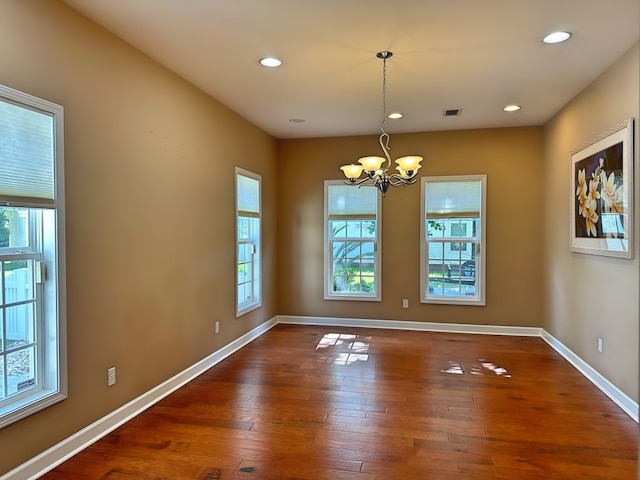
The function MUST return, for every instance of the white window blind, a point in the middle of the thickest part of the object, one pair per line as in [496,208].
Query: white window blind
[351,201]
[248,191]
[27,145]
[453,199]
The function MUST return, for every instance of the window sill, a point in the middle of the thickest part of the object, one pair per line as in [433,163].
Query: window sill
[353,298]
[29,405]
[247,309]
[455,301]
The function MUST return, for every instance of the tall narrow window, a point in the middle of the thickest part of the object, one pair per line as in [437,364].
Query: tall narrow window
[352,246]
[32,278]
[452,250]
[248,235]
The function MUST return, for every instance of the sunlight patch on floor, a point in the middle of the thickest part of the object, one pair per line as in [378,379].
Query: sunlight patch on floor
[481,368]
[345,349]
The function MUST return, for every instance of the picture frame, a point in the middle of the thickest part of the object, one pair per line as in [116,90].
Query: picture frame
[602,194]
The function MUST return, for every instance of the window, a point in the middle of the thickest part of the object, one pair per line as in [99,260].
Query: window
[352,232]
[452,249]
[32,277]
[248,234]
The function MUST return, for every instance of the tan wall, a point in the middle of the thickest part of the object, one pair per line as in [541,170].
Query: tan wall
[150,218]
[150,226]
[592,296]
[512,161]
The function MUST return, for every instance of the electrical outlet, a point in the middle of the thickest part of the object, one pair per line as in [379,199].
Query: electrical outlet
[111,376]
[405,303]
[217,327]
[599,345]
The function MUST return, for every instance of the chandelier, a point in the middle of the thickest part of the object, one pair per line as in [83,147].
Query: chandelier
[376,173]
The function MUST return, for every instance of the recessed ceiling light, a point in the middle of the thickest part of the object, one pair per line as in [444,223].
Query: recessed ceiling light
[556,37]
[395,115]
[511,108]
[270,62]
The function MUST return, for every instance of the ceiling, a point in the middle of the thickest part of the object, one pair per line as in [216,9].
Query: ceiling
[473,55]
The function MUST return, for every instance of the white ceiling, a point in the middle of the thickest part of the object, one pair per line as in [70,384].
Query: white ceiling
[475,55]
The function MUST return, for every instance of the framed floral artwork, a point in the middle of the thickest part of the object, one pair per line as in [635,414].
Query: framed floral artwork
[602,194]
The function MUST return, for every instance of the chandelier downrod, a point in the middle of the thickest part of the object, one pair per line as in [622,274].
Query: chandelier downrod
[377,175]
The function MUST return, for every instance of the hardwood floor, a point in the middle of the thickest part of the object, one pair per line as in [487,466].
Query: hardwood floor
[312,403]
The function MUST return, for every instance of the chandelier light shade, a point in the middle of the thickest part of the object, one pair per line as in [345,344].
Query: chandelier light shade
[376,168]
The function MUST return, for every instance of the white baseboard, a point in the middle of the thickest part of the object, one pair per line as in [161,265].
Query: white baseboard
[609,389]
[409,325]
[54,456]
[64,450]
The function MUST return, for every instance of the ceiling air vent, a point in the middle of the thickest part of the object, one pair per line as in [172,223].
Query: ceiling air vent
[453,112]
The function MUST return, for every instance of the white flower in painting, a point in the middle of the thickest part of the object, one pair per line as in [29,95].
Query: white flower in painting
[581,191]
[591,217]
[600,168]
[611,195]
[582,184]
[593,194]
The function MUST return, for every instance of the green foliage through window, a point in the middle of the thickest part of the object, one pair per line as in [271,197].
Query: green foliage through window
[353,256]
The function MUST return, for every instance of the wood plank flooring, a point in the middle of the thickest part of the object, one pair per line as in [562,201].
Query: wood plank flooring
[323,403]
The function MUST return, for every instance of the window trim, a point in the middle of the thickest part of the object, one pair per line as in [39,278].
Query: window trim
[480,299]
[328,278]
[258,303]
[53,348]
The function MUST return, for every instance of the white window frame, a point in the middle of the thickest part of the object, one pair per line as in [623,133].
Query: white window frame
[256,240]
[329,294]
[47,242]
[478,242]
